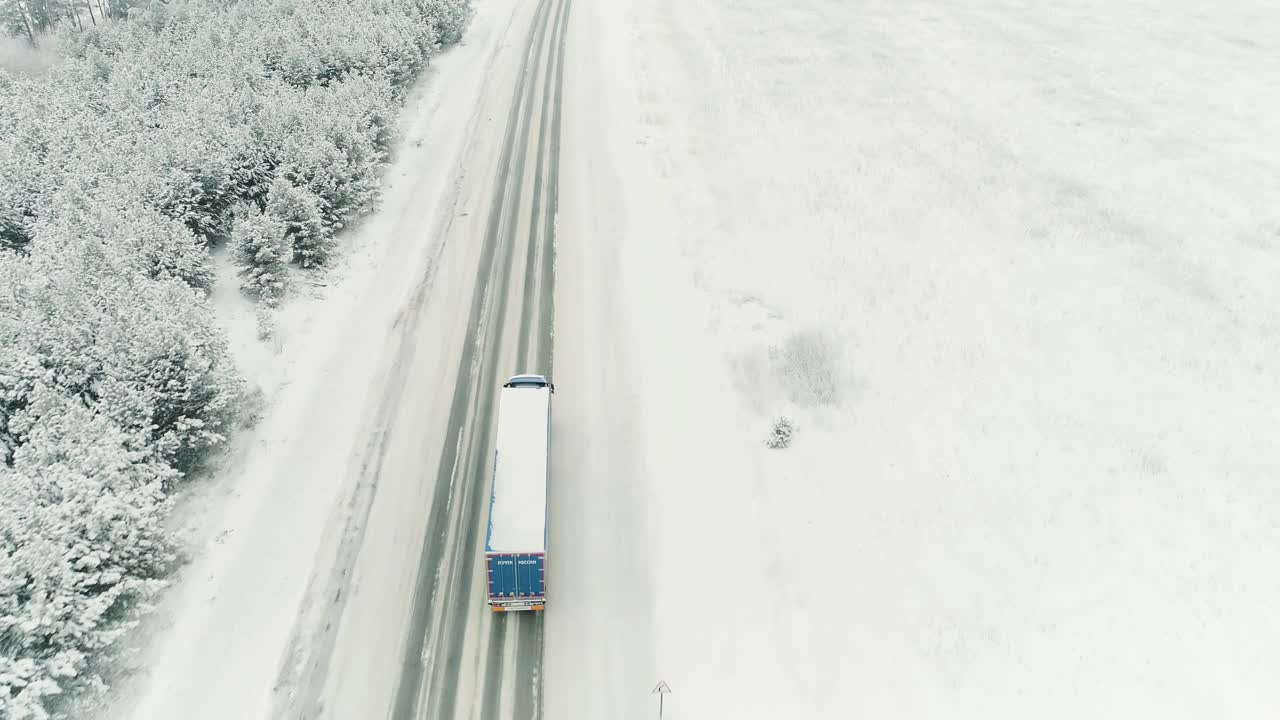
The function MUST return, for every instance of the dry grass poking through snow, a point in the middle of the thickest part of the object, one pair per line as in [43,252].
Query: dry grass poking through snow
[807,364]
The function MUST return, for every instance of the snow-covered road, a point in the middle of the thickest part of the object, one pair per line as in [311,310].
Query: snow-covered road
[429,648]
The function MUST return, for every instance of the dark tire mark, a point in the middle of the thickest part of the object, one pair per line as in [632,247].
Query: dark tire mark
[536,233]
[528,686]
[548,305]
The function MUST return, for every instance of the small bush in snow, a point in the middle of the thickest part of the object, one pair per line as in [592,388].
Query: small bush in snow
[780,436]
[265,322]
[252,408]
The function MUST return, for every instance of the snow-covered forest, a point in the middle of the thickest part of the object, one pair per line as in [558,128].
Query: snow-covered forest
[260,125]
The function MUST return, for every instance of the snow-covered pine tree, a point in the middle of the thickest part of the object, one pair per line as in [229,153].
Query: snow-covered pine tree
[76,316]
[156,245]
[17,179]
[15,232]
[262,252]
[83,543]
[299,211]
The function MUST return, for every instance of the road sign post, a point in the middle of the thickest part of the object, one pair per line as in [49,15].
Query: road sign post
[662,690]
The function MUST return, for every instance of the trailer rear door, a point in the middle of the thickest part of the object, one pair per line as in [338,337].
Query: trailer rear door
[516,579]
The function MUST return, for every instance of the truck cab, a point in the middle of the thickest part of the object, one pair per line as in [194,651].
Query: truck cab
[536,381]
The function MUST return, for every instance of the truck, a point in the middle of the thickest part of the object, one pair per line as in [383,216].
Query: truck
[515,547]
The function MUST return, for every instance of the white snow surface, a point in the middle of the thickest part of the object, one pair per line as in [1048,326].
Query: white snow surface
[216,645]
[518,513]
[1011,267]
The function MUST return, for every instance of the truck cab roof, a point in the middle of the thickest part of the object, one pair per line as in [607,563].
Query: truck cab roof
[537,381]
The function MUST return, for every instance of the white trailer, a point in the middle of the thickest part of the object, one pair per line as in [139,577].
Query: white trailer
[516,542]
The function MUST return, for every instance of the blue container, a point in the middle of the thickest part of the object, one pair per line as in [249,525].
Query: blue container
[517,581]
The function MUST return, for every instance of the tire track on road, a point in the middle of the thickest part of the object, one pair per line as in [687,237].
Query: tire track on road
[539,236]
[547,305]
[534,351]
[445,671]
[442,701]
[306,665]
[527,703]
[446,600]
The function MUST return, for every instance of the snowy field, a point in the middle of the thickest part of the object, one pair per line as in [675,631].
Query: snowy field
[1011,267]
